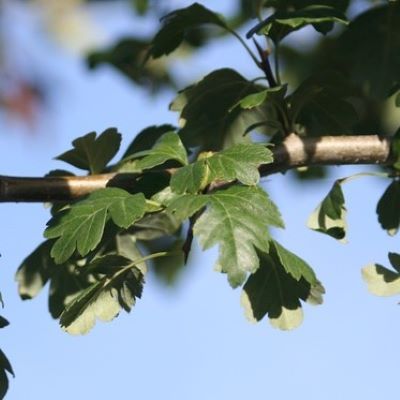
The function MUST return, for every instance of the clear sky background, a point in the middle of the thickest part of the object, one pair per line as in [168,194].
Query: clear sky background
[192,341]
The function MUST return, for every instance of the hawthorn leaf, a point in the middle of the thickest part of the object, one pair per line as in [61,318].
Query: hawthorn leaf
[81,226]
[34,272]
[382,281]
[275,94]
[184,206]
[388,208]
[155,225]
[330,216]
[397,100]
[167,147]
[103,300]
[237,219]
[5,366]
[177,23]
[272,291]
[91,153]
[369,48]
[207,113]
[282,23]
[293,264]
[240,162]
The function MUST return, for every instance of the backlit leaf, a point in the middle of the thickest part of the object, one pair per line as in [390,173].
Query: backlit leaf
[177,23]
[81,226]
[330,216]
[237,219]
[91,153]
[5,367]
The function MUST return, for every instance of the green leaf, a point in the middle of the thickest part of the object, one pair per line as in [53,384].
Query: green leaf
[156,225]
[237,219]
[274,292]
[184,206]
[3,322]
[383,281]
[208,114]
[321,105]
[5,367]
[141,6]
[104,299]
[397,100]
[177,23]
[275,94]
[294,265]
[167,147]
[129,56]
[91,153]
[34,272]
[369,49]
[388,208]
[330,216]
[81,226]
[282,23]
[239,162]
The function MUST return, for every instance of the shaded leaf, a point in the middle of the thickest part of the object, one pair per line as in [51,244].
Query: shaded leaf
[280,24]
[208,116]
[184,206]
[237,219]
[5,367]
[91,153]
[3,322]
[239,162]
[388,208]
[34,272]
[103,299]
[275,94]
[167,147]
[330,216]
[382,281]
[274,292]
[81,226]
[155,225]
[177,23]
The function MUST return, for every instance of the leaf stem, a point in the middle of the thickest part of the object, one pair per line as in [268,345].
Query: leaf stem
[241,40]
[276,59]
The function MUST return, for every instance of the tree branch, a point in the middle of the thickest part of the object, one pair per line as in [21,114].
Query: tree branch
[294,152]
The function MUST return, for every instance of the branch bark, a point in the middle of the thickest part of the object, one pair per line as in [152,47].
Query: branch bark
[292,153]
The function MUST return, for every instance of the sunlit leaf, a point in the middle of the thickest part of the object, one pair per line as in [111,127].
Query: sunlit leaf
[330,216]
[81,226]
[91,153]
[237,219]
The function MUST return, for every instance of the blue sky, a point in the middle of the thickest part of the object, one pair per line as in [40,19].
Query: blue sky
[193,342]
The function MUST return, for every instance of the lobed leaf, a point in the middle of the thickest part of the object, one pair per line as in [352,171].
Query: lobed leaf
[177,23]
[282,23]
[167,147]
[81,226]
[330,216]
[91,153]
[239,162]
[237,219]
[388,208]
[103,300]
[272,291]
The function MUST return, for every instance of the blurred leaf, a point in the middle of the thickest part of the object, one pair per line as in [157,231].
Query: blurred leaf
[103,299]
[167,147]
[93,153]
[330,216]
[272,291]
[5,367]
[155,225]
[236,219]
[321,104]
[240,162]
[388,208]
[129,57]
[275,94]
[3,322]
[34,272]
[141,6]
[204,110]
[81,226]
[370,48]
[282,23]
[382,281]
[176,24]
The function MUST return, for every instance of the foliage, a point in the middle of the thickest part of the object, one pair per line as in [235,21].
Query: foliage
[202,180]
